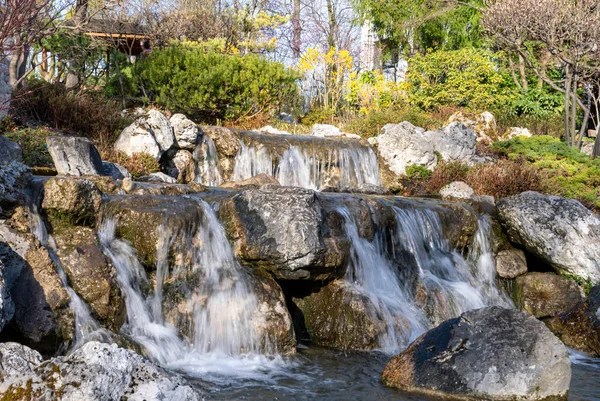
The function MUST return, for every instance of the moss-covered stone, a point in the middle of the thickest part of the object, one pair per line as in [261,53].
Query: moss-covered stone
[71,201]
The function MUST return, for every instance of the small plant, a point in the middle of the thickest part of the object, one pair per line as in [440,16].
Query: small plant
[138,164]
[416,172]
[586,284]
[33,143]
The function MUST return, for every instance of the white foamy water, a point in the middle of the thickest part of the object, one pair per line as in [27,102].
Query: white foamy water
[307,168]
[451,284]
[207,163]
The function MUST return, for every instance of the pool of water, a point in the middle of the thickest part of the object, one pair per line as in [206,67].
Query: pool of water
[326,375]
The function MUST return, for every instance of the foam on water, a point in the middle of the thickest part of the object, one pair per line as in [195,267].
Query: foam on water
[207,163]
[252,161]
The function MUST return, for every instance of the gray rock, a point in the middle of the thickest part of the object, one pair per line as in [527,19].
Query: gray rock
[286,118]
[562,232]
[579,328]
[74,156]
[99,372]
[10,151]
[251,183]
[151,134]
[7,306]
[14,181]
[187,133]
[180,164]
[281,229]
[71,200]
[455,142]
[158,178]
[17,360]
[511,263]
[546,294]
[325,130]
[490,353]
[402,145]
[42,314]
[114,170]
[457,190]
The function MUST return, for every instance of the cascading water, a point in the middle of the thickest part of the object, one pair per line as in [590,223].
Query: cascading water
[307,168]
[449,281]
[207,163]
[252,161]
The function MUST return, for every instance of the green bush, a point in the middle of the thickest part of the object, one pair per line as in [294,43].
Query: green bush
[33,144]
[467,78]
[571,173]
[370,125]
[210,85]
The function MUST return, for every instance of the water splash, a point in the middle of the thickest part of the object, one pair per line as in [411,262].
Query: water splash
[252,161]
[207,163]
[308,168]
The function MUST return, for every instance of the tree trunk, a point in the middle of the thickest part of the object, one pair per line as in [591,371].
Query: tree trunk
[297,31]
[596,151]
[74,74]
[332,24]
[573,132]
[567,103]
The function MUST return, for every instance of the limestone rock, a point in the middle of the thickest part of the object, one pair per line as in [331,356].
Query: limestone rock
[402,145]
[71,200]
[338,316]
[514,132]
[511,263]
[490,353]
[115,171]
[579,328]
[281,229]
[14,181]
[42,314]
[455,142]
[10,151]
[252,183]
[74,156]
[158,178]
[272,130]
[187,133]
[226,142]
[98,372]
[90,274]
[17,360]
[151,134]
[325,130]
[546,294]
[181,165]
[457,190]
[484,125]
[7,306]
[561,232]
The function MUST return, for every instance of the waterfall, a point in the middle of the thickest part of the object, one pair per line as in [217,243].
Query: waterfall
[308,168]
[373,276]
[222,300]
[207,163]
[451,284]
[251,161]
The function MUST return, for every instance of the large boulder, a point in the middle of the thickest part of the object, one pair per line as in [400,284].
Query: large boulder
[10,151]
[71,201]
[98,372]
[457,190]
[14,182]
[115,171]
[455,142]
[42,314]
[546,294]
[74,156]
[91,275]
[514,132]
[579,328]
[561,232]
[146,220]
[180,165]
[340,317]
[283,230]
[402,145]
[7,306]
[187,133]
[17,360]
[151,134]
[484,125]
[491,353]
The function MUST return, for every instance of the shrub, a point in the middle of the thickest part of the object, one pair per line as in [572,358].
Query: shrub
[444,174]
[506,178]
[88,113]
[370,125]
[33,144]
[209,85]
[417,172]
[467,78]
[138,164]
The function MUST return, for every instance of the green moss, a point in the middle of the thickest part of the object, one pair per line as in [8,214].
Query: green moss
[586,284]
[418,172]
[33,144]
[14,393]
